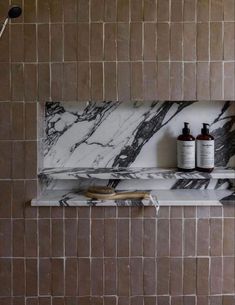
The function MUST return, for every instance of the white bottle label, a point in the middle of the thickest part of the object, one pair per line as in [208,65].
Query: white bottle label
[186,154]
[205,153]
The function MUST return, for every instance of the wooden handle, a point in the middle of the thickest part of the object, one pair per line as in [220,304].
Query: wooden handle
[126,195]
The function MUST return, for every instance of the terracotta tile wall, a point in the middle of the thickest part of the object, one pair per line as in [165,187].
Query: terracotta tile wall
[109,49]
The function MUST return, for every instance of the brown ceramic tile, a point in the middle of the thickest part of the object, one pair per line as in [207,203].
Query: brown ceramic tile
[57,301]
[202,41]
[203,239]
[5,161]
[216,10]
[110,275]
[30,119]
[203,85]
[17,82]
[150,10]
[18,162]
[216,275]
[96,46]
[56,81]
[216,80]
[83,41]
[176,237]
[189,237]
[110,41]
[110,237]
[229,10]
[4,47]
[163,237]
[18,199]
[43,11]
[203,10]
[44,237]
[30,192]
[97,237]
[163,10]
[70,42]
[30,159]
[150,80]
[189,10]
[176,43]
[83,237]
[83,10]
[30,82]
[150,41]
[70,10]
[97,81]
[97,276]
[123,237]
[202,300]
[216,237]
[84,276]
[43,82]
[176,11]
[32,301]
[123,41]
[216,41]
[5,237]
[31,237]
[216,300]
[149,238]
[136,10]
[229,40]
[18,238]
[229,81]
[136,237]
[5,82]
[163,41]
[202,276]
[110,10]
[17,46]
[5,120]
[228,275]
[176,83]
[30,41]
[229,211]
[97,213]
[229,237]
[71,276]
[136,276]
[163,275]
[189,41]
[57,279]
[31,277]
[110,82]
[56,10]
[123,71]
[189,276]
[149,276]
[56,42]
[18,301]
[136,51]
[18,277]
[70,82]
[123,10]
[44,276]
[70,237]
[43,43]
[123,269]
[5,277]
[7,190]
[163,80]
[83,81]
[176,276]
[97,10]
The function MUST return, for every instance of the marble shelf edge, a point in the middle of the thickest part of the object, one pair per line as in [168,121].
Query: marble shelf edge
[132,173]
[68,198]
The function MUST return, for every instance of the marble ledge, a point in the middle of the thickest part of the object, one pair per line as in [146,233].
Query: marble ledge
[164,198]
[132,173]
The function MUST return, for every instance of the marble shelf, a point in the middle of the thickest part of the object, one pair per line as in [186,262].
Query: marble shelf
[164,198]
[132,173]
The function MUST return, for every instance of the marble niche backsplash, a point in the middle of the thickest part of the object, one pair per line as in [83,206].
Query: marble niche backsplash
[133,134]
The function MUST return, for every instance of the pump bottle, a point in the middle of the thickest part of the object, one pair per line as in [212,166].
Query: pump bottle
[205,150]
[186,150]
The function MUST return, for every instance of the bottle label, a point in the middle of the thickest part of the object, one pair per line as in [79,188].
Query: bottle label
[205,153]
[186,154]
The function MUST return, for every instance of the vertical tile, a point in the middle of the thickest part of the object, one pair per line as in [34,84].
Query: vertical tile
[176,41]
[149,276]
[136,81]
[123,41]
[203,85]
[216,237]
[43,11]
[176,237]
[149,238]
[97,237]
[70,42]
[70,82]
[97,10]
[44,237]
[5,277]
[163,10]
[136,276]
[229,237]
[56,81]
[70,10]
[30,39]
[229,40]
[203,10]
[202,276]
[110,10]
[30,159]
[123,10]
[216,81]
[110,237]
[163,81]
[84,277]
[71,276]
[43,43]
[110,276]
[29,11]
[176,84]
[83,242]
[110,41]
[189,81]
[5,238]
[45,276]
[123,277]
[70,237]
[18,238]
[163,41]
[189,276]
[136,237]
[216,10]
[43,82]
[56,10]
[83,41]
[5,121]
[189,237]
[136,10]
[229,80]
[123,81]
[97,81]
[83,81]
[228,275]
[150,80]
[97,276]
[177,10]
[5,46]
[56,42]
[83,7]
[202,41]
[203,241]
[57,272]
[17,82]
[16,40]
[31,277]
[163,237]
[5,161]
[110,81]
[96,46]
[150,41]
[136,51]
[216,275]
[31,237]
[163,275]
[30,119]
[189,41]
[123,237]
[18,162]
[150,10]
[216,41]
[5,82]
[18,198]
[229,10]
[30,82]
[7,190]
[189,10]
[176,276]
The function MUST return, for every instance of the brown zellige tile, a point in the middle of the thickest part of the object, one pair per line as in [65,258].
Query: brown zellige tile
[163,10]
[203,10]
[56,42]
[123,81]
[96,46]
[150,10]
[5,161]
[110,11]
[110,41]
[229,80]
[43,42]
[70,42]
[57,272]
[163,275]
[31,277]
[5,120]
[136,51]
[189,276]
[83,41]
[123,10]
[5,278]
[17,45]
[45,276]
[83,10]
[110,276]
[110,81]
[97,81]
[216,41]
[30,82]
[71,276]
[229,40]
[123,41]
[150,81]
[97,10]
[202,276]
[83,81]
[216,275]
[70,82]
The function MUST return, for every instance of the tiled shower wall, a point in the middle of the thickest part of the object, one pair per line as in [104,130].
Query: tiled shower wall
[103,50]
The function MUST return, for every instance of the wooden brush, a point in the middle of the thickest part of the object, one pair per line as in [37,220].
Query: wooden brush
[107,193]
